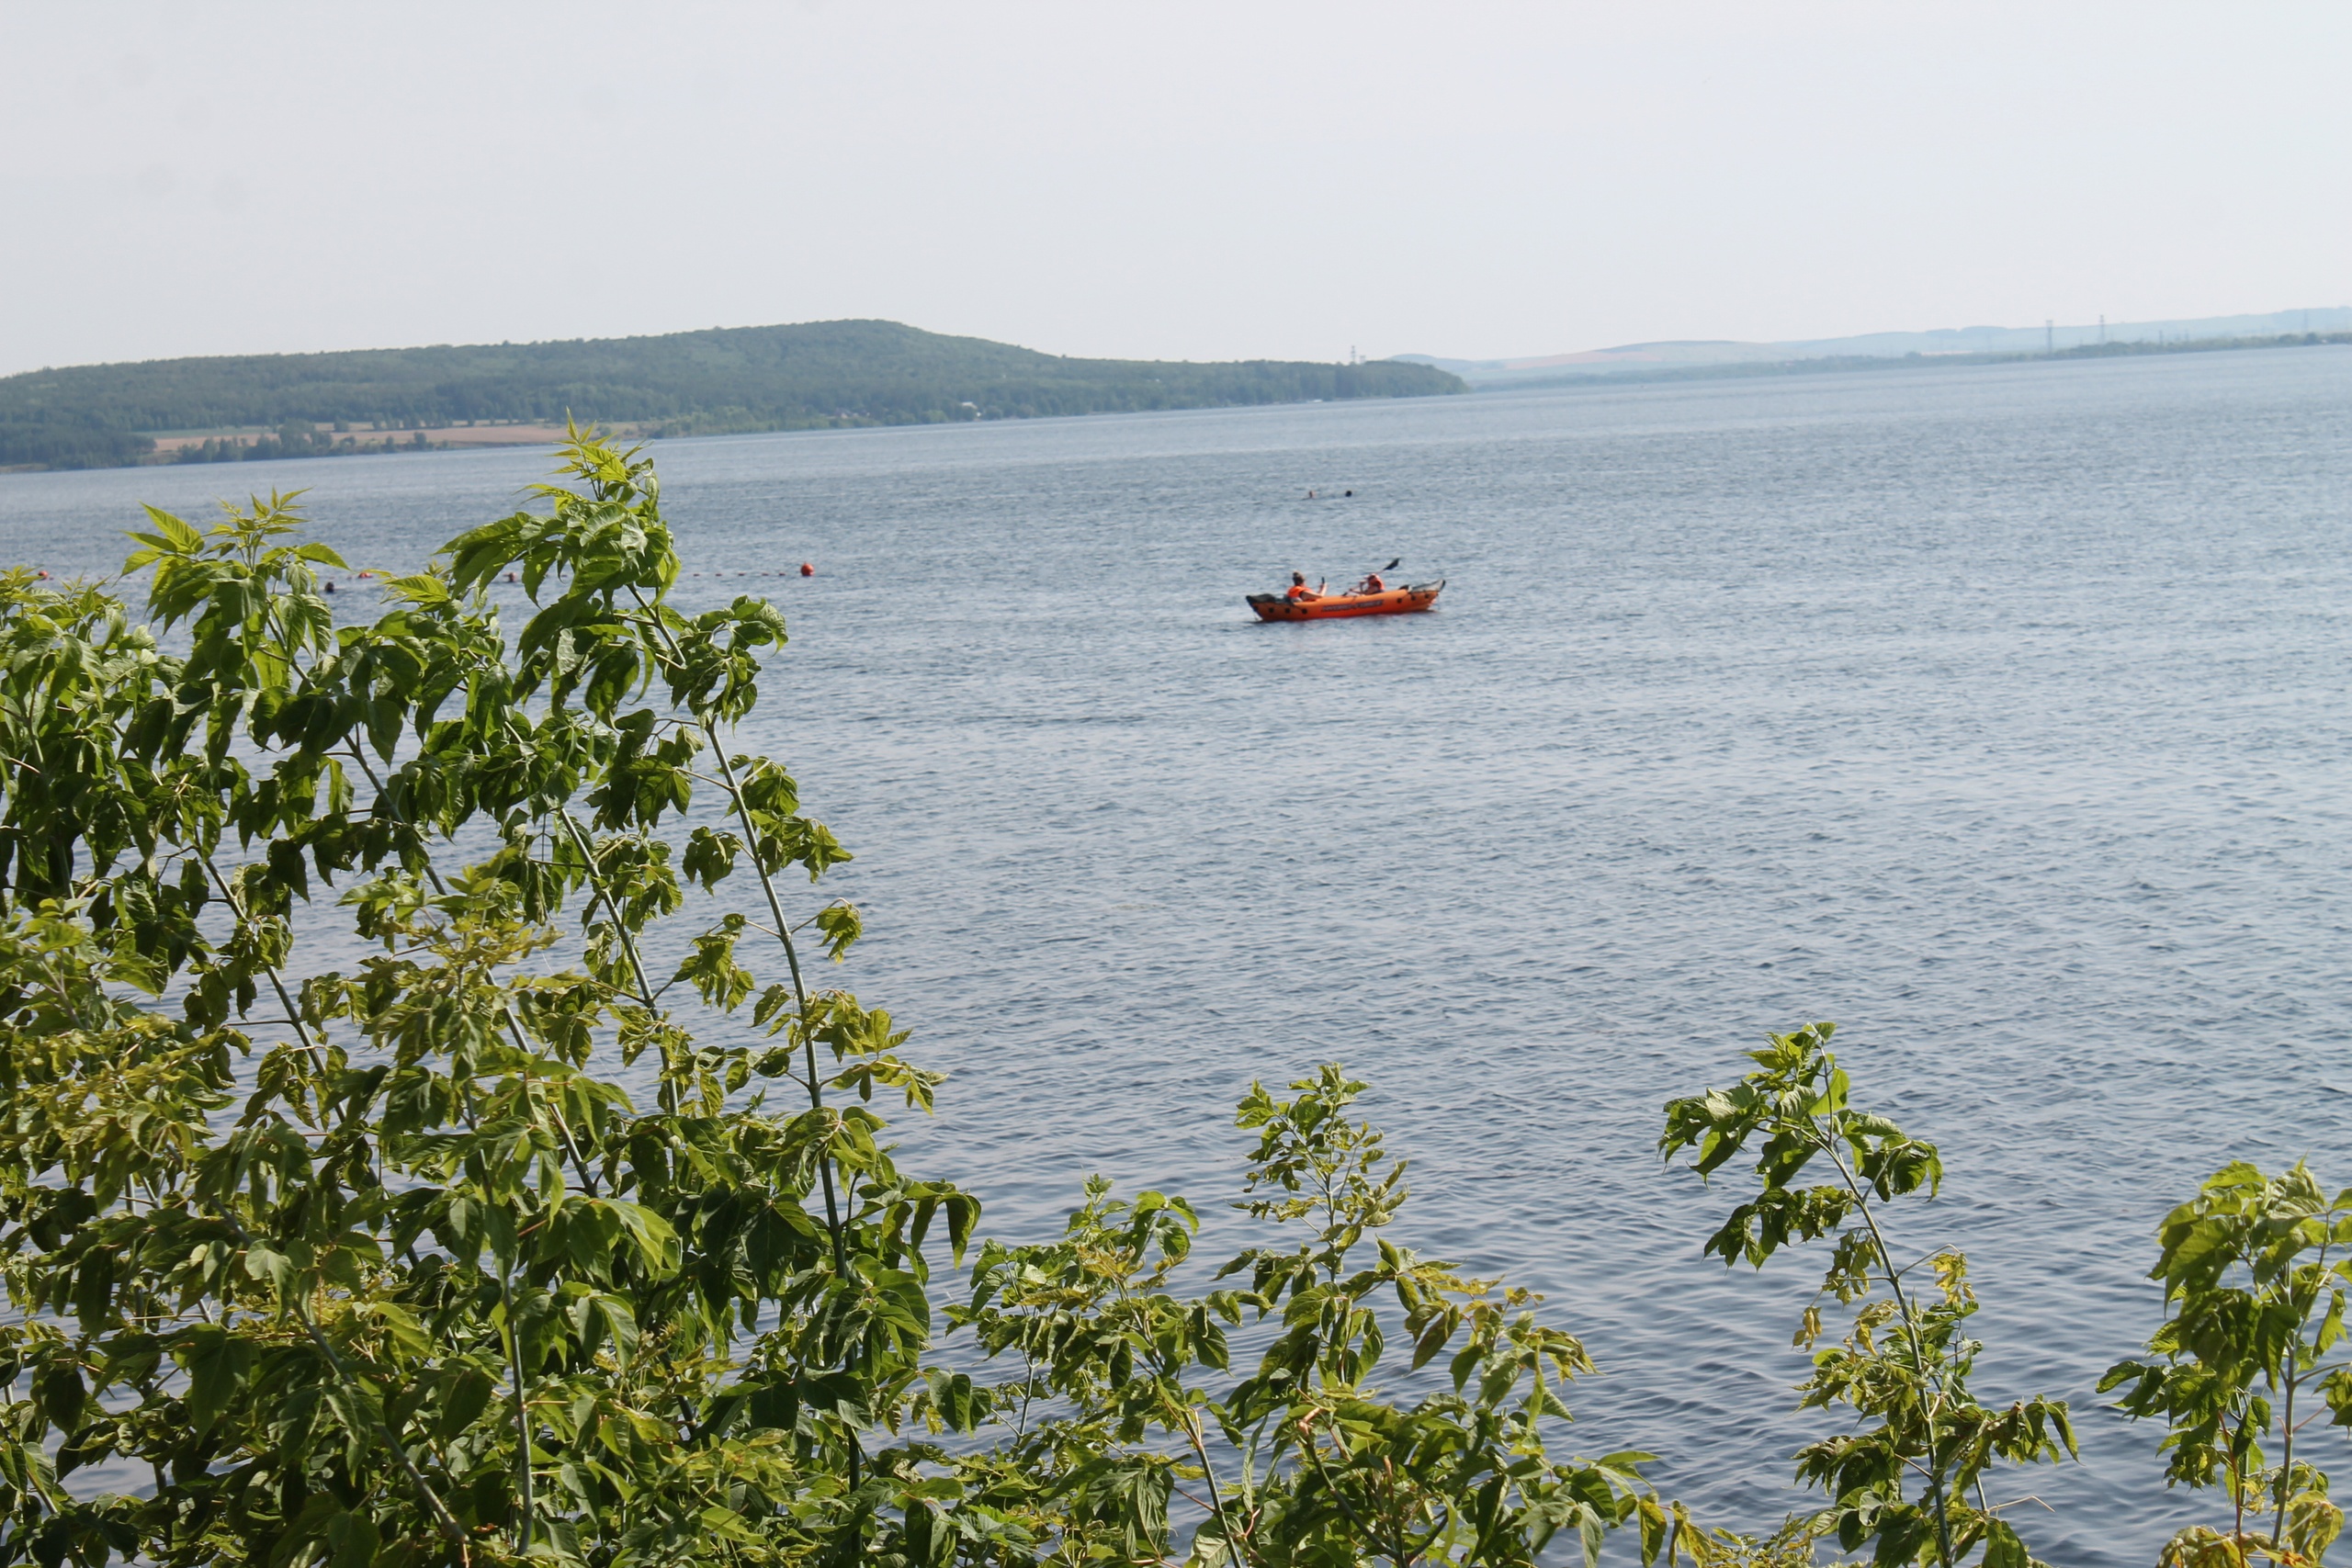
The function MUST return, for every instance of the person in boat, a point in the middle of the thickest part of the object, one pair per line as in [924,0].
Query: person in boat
[1298,589]
[1372,584]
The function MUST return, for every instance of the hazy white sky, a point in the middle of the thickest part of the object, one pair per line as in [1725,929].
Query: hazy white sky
[1193,180]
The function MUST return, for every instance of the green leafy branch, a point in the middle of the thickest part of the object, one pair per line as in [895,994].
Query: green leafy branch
[1903,1368]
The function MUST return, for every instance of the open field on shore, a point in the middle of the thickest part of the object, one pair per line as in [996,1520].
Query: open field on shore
[482,434]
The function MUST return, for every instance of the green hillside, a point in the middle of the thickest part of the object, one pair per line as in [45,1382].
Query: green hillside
[742,378]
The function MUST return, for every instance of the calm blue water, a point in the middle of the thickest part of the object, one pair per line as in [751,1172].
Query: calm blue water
[2000,714]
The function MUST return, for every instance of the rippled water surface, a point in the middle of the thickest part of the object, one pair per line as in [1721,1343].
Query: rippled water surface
[1998,714]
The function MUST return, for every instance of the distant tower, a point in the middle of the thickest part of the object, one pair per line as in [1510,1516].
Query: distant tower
[2049,334]
[2102,329]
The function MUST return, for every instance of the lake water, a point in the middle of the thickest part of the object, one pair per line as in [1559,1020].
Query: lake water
[2000,714]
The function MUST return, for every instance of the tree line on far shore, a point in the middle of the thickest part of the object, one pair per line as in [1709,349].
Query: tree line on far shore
[721,381]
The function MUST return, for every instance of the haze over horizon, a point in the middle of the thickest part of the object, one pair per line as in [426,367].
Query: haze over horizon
[1159,182]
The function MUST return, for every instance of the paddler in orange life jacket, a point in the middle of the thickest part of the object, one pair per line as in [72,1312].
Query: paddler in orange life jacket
[1298,589]
[1372,584]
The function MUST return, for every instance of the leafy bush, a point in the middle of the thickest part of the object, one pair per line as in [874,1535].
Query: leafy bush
[1911,1479]
[2255,1269]
[409,1281]
[378,1265]
[1303,1461]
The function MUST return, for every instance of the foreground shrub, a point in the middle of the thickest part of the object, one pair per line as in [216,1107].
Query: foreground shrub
[1304,1461]
[1910,1479]
[2254,1268]
[378,1265]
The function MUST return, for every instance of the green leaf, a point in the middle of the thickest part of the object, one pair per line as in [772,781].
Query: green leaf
[654,1237]
[218,1363]
[60,1393]
[466,1393]
[352,1540]
[2002,1547]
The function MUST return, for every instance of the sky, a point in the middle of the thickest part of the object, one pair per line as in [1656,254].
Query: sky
[1189,181]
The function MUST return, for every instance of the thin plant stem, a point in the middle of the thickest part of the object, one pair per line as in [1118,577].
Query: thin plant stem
[293,1013]
[443,1518]
[1934,1474]
[612,908]
[1193,1433]
[734,788]
[522,1407]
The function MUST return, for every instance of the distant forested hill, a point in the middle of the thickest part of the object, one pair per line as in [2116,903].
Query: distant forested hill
[786,377]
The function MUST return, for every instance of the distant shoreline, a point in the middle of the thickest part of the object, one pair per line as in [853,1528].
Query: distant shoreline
[724,381]
[299,439]
[230,444]
[1823,365]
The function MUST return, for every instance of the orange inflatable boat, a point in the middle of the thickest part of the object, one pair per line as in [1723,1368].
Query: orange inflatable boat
[1329,606]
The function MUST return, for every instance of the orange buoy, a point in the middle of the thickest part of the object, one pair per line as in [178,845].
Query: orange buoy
[808,571]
